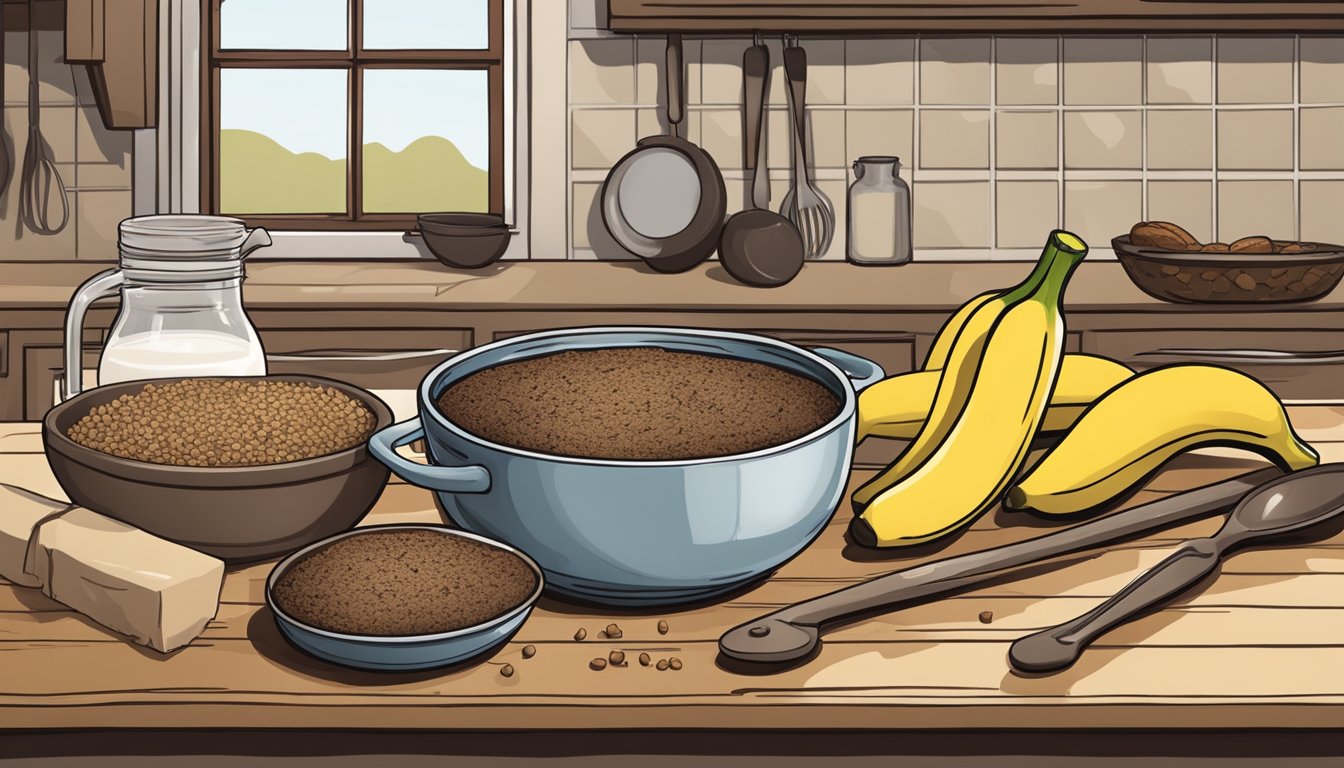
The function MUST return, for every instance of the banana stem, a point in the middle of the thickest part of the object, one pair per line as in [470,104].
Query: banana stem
[1062,252]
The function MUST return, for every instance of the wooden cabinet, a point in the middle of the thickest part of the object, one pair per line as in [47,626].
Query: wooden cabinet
[1299,364]
[118,41]
[379,359]
[867,17]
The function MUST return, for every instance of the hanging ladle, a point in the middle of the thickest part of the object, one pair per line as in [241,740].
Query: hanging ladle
[1278,508]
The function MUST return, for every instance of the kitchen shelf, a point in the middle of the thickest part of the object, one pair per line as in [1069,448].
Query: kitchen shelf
[869,17]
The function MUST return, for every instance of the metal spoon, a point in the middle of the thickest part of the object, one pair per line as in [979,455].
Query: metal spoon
[791,634]
[758,246]
[1287,505]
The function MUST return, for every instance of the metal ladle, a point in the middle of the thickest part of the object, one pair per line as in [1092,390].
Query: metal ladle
[1280,507]
[758,246]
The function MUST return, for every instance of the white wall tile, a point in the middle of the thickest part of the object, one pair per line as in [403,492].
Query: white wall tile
[1255,70]
[880,71]
[951,214]
[1180,70]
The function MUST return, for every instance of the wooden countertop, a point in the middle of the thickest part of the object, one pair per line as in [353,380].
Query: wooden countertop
[542,285]
[1260,647]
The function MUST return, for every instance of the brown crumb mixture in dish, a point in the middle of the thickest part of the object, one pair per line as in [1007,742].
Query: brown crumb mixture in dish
[638,403]
[393,583]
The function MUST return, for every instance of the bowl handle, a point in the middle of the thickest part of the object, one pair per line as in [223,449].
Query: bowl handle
[384,443]
[860,370]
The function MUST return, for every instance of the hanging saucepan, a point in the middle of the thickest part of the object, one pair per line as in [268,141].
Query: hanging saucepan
[665,201]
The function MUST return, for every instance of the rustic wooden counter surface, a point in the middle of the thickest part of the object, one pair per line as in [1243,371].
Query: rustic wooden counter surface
[1260,647]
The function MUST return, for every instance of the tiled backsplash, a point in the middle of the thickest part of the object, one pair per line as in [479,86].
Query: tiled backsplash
[1005,138]
[94,163]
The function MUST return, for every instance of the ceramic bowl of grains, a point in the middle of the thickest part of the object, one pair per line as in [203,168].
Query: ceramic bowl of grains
[242,468]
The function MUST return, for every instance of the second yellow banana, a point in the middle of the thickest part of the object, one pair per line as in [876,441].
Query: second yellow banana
[897,406]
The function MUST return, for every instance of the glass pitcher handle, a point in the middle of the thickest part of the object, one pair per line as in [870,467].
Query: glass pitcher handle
[99,286]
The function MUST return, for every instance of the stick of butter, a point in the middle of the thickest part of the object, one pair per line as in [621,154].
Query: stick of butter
[160,593]
[21,512]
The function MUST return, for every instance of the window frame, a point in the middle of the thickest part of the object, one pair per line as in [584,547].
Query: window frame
[355,60]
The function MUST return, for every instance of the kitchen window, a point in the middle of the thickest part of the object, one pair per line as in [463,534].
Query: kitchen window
[352,114]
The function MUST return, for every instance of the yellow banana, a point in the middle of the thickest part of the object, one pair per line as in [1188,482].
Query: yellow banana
[942,343]
[1008,387]
[948,397]
[1142,423]
[897,406]
[955,379]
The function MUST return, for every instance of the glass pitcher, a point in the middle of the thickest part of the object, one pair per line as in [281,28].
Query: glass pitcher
[878,223]
[180,279]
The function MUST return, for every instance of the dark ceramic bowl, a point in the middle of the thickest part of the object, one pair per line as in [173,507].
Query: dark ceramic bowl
[464,240]
[402,653]
[234,513]
[1199,277]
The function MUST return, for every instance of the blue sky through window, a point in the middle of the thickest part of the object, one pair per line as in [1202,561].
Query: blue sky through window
[402,105]
[283,24]
[304,109]
[321,24]
[390,24]
[301,109]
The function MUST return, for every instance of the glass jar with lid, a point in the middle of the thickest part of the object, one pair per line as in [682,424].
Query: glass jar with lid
[180,280]
[878,218]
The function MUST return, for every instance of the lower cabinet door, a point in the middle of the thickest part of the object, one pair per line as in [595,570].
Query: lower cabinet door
[1296,365]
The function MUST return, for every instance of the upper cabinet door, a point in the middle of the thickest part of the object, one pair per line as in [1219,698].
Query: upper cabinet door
[120,45]
[888,16]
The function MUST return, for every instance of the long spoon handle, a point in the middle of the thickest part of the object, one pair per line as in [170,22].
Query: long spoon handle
[756,77]
[768,638]
[1058,647]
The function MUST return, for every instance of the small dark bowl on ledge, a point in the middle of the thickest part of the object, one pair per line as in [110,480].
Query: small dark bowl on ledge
[464,240]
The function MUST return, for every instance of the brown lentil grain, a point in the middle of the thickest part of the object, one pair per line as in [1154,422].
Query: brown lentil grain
[506,670]
[614,632]
[225,423]
[617,658]
[662,627]
[674,663]
[644,660]
[581,634]
[638,403]
[529,651]
[393,583]
[986,617]
[662,665]
[597,665]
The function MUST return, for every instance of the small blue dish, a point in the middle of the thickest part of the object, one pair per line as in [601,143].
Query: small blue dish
[401,653]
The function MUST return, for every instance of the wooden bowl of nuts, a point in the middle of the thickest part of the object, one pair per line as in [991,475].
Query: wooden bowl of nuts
[242,468]
[1168,263]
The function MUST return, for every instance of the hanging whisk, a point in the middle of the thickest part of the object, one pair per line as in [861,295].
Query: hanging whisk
[40,181]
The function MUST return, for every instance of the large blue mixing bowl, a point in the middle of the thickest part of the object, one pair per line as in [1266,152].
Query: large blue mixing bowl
[639,533]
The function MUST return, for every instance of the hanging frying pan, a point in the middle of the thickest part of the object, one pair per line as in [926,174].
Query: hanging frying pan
[665,201]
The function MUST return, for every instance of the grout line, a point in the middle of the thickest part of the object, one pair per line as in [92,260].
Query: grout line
[839,173]
[992,150]
[916,124]
[1143,127]
[1297,138]
[1059,126]
[1215,172]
